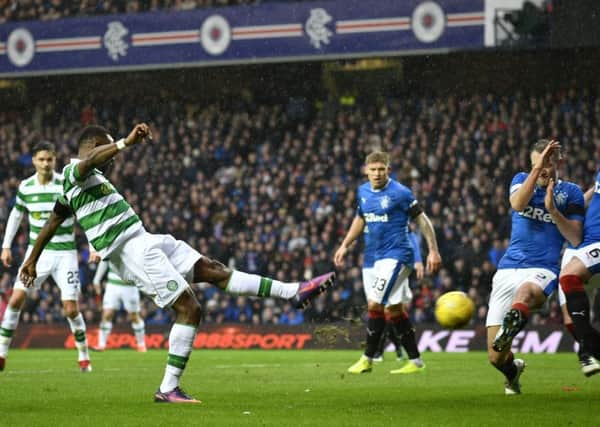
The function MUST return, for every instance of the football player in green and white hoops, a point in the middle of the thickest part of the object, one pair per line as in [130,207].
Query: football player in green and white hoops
[160,266]
[35,198]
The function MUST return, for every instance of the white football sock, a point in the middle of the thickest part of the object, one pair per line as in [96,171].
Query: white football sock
[241,283]
[78,329]
[103,333]
[7,329]
[181,340]
[140,332]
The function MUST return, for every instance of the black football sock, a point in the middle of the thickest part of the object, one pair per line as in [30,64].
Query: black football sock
[394,337]
[382,341]
[508,368]
[375,326]
[578,306]
[405,330]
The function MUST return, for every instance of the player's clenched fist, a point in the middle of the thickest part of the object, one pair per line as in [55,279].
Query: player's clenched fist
[138,134]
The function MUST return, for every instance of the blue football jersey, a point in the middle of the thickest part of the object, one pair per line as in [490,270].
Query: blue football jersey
[535,241]
[386,214]
[591,225]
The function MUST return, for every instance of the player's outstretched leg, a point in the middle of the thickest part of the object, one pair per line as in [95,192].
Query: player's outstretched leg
[181,340]
[514,321]
[310,289]
[240,283]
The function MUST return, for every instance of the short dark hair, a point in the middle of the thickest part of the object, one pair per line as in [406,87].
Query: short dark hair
[539,145]
[89,133]
[43,146]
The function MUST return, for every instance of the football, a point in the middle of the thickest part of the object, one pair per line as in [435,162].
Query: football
[454,310]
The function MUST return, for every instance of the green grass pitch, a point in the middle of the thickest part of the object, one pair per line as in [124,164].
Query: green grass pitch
[291,388]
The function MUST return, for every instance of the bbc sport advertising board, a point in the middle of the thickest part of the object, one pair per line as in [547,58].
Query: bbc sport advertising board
[244,34]
[280,337]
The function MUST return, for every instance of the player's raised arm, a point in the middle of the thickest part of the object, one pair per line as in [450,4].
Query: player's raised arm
[354,232]
[522,195]
[58,216]
[434,259]
[99,155]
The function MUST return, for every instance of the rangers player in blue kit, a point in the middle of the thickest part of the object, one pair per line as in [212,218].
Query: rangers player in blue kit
[545,212]
[582,264]
[384,209]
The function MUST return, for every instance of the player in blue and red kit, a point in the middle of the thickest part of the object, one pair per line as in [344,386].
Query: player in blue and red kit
[545,212]
[384,208]
[583,264]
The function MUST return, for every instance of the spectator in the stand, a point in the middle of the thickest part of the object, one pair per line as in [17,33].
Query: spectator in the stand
[438,136]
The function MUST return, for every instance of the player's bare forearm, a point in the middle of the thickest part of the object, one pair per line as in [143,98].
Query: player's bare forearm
[356,229]
[96,158]
[587,196]
[101,154]
[520,198]
[48,231]
[428,231]
[571,229]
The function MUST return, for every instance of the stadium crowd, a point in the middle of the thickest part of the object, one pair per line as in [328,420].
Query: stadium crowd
[45,10]
[251,186]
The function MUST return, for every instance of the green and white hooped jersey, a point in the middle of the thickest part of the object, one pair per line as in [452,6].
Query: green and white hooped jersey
[37,201]
[105,216]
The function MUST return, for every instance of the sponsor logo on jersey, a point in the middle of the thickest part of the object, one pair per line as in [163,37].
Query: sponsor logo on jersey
[105,189]
[40,215]
[371,217]
[537,214]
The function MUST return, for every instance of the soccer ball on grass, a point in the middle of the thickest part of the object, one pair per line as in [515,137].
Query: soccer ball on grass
[454,310]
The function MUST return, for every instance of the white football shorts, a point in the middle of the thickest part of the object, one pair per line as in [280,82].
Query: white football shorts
[117,295]
[62,266]
[387,282]
[505,284]
[159,265]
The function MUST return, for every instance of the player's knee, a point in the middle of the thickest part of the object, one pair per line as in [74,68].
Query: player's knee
[211,271]
[70,309]
[374,306]
[394,311]
[17,299]
[571,283]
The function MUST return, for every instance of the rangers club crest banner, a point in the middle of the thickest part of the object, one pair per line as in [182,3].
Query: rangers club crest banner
[234,35]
